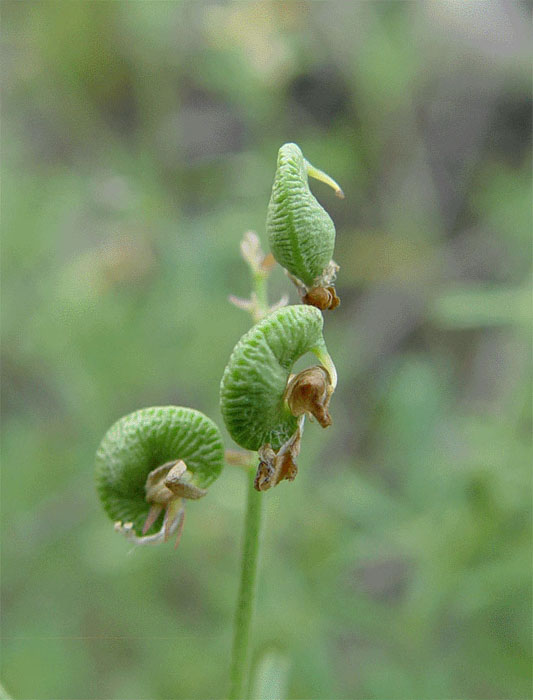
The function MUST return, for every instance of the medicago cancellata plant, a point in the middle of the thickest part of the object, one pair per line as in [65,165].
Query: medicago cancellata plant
[153,460]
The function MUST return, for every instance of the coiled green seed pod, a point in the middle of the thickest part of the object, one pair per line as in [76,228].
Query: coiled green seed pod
[301,233]
[252,391]
[145,440]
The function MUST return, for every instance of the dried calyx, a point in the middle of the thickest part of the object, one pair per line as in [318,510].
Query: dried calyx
[308,393]
[322,293]
[322,297]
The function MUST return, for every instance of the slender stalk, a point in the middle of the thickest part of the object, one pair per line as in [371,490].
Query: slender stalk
[254,257]
[260,288]
[247,591]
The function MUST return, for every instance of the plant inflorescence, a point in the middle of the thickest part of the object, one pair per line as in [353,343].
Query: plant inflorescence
[152,461]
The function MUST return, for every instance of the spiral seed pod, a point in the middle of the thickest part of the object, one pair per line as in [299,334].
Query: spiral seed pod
[150,460]
[253,389]
[301,233]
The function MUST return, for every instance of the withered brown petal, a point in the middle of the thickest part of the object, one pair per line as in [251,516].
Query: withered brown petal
[309,392]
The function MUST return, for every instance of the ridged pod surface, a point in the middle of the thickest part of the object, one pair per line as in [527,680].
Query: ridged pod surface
[301,233]
[141,441]
[254,381]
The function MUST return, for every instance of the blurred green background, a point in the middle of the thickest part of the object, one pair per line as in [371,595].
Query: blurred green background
[139,142]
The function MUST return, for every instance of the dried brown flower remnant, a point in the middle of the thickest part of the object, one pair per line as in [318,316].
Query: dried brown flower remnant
[322,297]
[169,481]
[275,467]
[165,488]
[265,477]
[310,392]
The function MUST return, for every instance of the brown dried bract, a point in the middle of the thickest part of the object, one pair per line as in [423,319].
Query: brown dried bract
[322,298]
[310,392]
[287,468]
[277,466]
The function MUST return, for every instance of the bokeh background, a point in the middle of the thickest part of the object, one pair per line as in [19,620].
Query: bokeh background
[139,143]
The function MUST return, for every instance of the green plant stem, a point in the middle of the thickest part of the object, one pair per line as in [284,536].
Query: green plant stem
[260,288]
[251,537]
[247,591]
